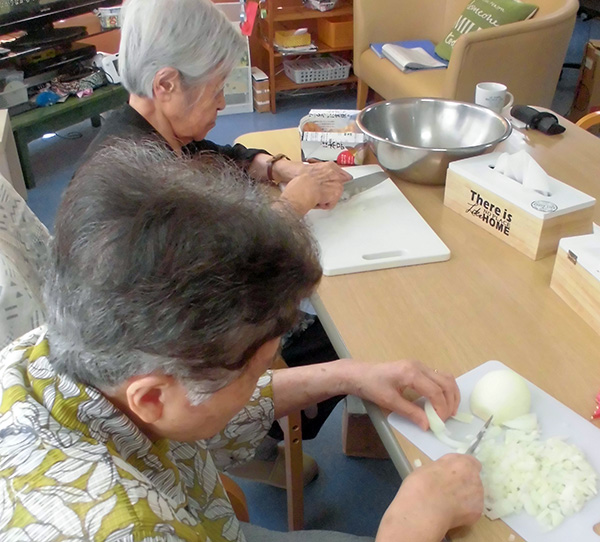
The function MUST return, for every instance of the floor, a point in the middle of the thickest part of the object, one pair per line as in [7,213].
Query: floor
[336,499]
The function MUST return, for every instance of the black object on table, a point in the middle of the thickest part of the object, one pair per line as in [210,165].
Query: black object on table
[545,122]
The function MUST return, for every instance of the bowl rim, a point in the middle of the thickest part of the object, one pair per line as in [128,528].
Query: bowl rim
[368,133]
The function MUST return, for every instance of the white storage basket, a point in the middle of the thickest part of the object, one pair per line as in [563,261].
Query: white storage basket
[313,70]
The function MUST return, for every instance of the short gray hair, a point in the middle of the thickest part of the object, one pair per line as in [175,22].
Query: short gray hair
[161,263]
[191,36]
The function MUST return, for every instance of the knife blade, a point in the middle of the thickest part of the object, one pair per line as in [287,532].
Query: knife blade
[360,184]
[471,449]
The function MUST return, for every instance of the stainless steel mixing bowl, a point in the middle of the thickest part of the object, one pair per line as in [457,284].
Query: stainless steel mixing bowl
[417,138]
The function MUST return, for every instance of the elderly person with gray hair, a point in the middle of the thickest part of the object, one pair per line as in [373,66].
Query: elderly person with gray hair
[174,58]
[170,285]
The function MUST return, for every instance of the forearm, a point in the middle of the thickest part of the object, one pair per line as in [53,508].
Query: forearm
[296,388]
[404,521]
[258,167]
[283,170]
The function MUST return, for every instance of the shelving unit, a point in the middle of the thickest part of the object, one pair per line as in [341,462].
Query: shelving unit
[32,124]
[291,14]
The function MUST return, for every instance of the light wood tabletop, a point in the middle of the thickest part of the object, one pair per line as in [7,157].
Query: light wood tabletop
[488,301]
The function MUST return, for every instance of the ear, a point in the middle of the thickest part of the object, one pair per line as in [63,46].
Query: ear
[265,355]
[165,83]
[146,396]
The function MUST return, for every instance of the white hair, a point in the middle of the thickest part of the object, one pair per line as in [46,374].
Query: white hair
[191,36]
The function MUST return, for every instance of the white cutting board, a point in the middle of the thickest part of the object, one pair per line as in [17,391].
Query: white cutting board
[376,229]
[555,419]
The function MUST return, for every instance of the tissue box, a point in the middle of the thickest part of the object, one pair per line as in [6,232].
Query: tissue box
[576,276]
[526,220]
[332,134]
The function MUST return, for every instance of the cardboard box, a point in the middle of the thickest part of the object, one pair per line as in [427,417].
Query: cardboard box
[338,32]
[260,80]
[587,92]
[260,86]
[576,276]
[332,134]
[262,106]
[523,218]
[261,95]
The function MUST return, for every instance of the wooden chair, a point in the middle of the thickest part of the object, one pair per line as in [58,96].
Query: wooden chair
[236,497]
[292,430]
[589,120]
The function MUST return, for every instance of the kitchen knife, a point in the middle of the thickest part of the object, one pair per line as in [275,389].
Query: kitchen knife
[360,184]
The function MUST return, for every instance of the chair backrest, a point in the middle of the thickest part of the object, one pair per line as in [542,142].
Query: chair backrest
[453,8]
[527,56]
[590,120]
[380,20]
[24,244]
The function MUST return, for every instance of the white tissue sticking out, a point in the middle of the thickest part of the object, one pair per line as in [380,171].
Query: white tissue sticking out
[521,167]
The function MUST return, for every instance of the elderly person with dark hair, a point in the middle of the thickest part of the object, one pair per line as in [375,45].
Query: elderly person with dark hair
[168,292]
[174,58]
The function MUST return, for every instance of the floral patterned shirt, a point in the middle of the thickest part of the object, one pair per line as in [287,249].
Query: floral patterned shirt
[74,468]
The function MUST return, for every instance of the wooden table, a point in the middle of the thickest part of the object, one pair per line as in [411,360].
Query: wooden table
[37,122]
[488,301]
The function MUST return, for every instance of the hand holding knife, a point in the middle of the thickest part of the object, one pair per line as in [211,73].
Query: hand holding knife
[471,450]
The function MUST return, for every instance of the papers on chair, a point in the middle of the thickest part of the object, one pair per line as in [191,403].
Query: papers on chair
[429,47]
[410,59]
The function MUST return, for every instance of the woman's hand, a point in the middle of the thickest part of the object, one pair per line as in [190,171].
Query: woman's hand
[286,170]
[318,184]
[306,185]
[384,384]
[445,494]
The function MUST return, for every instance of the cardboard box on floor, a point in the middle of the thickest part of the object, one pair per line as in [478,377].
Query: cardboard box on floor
[587,92]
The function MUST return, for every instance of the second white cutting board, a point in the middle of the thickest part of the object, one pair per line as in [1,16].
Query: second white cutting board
[376,229]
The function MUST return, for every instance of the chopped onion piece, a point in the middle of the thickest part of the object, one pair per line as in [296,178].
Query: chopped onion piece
[527,422]
[417,463]
[436,424]
[464,417]
[438,427]
[549,480]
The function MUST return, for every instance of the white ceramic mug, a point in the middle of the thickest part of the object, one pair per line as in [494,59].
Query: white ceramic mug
[493,96]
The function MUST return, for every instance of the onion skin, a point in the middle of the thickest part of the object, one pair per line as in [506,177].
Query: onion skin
[501,393]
